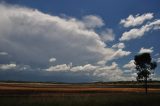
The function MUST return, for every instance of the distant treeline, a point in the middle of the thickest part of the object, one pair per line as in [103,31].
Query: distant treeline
[98,82]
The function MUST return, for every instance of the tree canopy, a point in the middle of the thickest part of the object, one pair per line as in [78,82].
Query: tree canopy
[144,65]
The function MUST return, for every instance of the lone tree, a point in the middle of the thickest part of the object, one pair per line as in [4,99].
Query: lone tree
[144,66]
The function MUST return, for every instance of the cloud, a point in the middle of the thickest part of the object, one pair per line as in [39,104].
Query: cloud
[92,21]
[101,62]
[136,20]
[87,67]
[99,73]
[62,67]
[109,73]
[139,32]
[3,53]
[107,35]
[7,66]
[119,45]
[155,77]
[52,59]
[157,54]
[158,60]
[120,53]
[32,40]
[117,54]
[84,68]
[130,65]
[144,50]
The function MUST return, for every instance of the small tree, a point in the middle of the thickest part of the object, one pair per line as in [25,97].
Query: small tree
[144,66]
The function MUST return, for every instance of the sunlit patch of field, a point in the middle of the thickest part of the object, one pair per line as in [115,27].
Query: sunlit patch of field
[44,88]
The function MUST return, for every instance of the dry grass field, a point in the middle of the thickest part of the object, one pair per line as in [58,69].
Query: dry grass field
[94,94]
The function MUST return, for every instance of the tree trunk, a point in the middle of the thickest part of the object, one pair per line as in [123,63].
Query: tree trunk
[146,86]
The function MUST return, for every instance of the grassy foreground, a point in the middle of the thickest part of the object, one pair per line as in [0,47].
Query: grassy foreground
[83,100]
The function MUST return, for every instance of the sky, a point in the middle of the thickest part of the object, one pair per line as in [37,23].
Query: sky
[77,40]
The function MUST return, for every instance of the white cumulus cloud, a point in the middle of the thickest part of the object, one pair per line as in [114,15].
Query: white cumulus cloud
[119,45]
[7,66]
[103,73]
[108,35]
[52,59]
[3,53]
[120,53]
[139,32]
[87,67]
[146,50]
[130,65]
[32,37]
[62,67]
[92,21]
[158,60]
[136,20]
[109,73]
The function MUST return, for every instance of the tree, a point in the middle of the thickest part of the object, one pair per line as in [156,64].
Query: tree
[144,66]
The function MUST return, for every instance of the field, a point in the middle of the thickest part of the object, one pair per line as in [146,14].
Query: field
[91,94]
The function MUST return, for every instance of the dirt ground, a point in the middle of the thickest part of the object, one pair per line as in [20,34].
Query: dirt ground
[53,89]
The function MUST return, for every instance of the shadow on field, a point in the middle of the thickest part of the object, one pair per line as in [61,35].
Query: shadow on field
[83,100]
